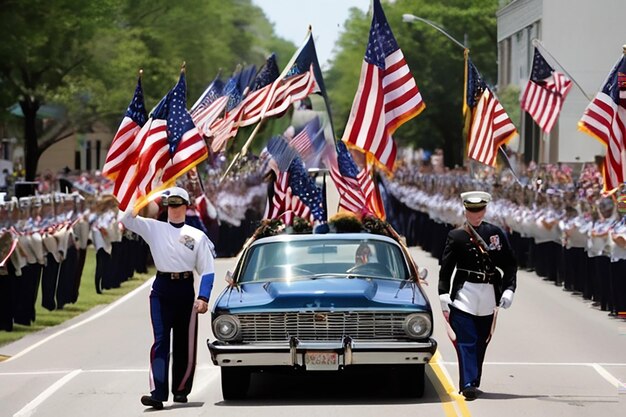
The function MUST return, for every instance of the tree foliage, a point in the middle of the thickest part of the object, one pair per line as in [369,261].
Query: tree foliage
[87,58]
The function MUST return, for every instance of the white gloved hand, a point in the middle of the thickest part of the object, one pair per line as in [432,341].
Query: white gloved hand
[445,302]
[507,299]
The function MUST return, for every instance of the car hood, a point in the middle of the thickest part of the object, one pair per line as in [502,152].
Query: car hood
[323,294]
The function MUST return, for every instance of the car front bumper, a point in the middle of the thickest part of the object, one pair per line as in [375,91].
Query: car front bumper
[349,352]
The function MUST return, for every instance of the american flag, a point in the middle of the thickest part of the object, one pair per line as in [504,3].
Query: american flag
[295,192]
[301,77]
[310,141]
[387,95]
[268,73]
[209,106]
[306,190]
[490,126]
[172,145]
[282,153]
[545,93]
[284,204]
[605,120]
[228,125]
[124,151]
[355,185]
[261,87]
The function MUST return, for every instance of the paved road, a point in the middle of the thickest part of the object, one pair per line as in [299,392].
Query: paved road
[552,355]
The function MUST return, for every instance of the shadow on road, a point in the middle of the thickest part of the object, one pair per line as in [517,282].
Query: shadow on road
[328,388]
[570,399]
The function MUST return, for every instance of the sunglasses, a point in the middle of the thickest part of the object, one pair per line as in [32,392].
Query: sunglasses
[475,209]
[175,201]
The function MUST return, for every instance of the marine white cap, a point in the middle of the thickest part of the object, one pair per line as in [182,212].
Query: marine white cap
[475,199]
[177,192]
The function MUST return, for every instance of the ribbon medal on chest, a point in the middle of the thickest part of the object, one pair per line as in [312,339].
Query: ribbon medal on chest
[188,241]
[494,242]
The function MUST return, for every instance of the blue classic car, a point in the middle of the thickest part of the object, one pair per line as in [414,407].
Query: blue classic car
[322,302]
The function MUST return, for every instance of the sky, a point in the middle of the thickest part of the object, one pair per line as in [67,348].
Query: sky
[292,18]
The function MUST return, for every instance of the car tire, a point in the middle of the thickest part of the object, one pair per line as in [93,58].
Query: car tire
[235,382]
[411,379]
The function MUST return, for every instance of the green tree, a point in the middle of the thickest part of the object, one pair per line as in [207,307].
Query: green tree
[85,57]
[42,44]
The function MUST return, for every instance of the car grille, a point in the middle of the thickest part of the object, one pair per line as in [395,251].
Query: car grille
[279,327]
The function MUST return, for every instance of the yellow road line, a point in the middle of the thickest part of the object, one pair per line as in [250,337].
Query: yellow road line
[445,389]
[4,358]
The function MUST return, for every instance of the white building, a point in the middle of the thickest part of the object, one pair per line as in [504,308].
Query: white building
[584,39]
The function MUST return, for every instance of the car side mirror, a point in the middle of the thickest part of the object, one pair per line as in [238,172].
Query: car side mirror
[423,274]
[229,278]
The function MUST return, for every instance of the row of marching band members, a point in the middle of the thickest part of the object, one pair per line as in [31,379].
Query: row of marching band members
[43,247]
[119,252]
[568,233]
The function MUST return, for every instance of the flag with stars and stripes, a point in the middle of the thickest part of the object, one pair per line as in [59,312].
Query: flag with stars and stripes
[301,77]
[387,95]
[124,151]
[489,125]
[209,106]
[306,190]
[355,185]
[605,120]
[171,147]
[237,90]
[545,92]
[310,142]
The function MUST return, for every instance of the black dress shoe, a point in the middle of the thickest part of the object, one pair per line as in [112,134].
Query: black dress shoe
[470,393]
[180,398]
[148,401]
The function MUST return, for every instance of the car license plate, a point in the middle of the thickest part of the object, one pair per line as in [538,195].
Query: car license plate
[321,361]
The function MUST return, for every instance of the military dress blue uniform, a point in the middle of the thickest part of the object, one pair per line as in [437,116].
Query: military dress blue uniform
[478,287]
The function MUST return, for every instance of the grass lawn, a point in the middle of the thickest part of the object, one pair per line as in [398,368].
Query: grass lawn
[87,299]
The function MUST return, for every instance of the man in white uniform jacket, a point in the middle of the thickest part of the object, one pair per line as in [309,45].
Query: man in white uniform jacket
[178,250]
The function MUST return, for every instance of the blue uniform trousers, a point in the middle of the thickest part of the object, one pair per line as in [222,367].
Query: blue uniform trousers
[171,311]
[472,334]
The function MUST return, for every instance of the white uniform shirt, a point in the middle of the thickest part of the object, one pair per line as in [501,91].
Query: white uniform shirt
[600,244]
[618,252]
[174,249]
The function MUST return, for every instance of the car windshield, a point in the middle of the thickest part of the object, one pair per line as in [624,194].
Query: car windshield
[312,259]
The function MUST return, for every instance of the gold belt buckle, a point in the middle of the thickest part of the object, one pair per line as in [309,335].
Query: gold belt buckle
[175,275]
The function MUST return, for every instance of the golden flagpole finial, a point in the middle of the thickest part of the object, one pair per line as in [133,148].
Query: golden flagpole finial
[140,72]
[182,67]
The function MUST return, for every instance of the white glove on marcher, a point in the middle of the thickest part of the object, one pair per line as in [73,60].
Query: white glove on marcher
[445,302]
[507,299]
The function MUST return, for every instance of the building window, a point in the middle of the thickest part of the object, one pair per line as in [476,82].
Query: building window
[88,155]
[98,150]
[532,136]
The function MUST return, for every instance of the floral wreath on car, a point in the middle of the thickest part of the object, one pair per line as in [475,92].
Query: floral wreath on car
[342,222]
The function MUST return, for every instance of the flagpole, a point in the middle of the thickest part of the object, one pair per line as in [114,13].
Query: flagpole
[536,42]
[243,150]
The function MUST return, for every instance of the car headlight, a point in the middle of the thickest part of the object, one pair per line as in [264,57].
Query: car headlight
[417,326]
[226,328]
